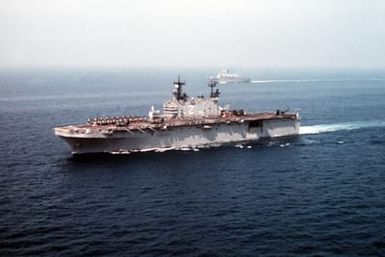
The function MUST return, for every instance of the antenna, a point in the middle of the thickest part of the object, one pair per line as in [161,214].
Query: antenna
[212,85]
[178,91]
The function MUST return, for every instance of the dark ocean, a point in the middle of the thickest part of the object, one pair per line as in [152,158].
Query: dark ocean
[319,194]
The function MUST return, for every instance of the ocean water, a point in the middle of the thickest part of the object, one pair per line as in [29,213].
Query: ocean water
[319,194]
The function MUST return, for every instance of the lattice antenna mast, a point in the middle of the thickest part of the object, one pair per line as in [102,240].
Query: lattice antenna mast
[212,85]
[178,91]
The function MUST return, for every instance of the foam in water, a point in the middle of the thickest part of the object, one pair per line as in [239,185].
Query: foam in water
[323,128]
[307,80]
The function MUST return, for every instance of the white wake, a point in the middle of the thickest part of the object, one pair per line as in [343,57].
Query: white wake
[308,80]
[323,128]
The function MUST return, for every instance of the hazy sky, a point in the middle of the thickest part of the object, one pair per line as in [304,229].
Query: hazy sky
[223,33]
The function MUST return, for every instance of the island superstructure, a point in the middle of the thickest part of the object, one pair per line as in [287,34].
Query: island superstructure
[186,123]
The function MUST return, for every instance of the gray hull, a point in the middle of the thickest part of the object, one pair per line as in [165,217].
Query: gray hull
[178,137]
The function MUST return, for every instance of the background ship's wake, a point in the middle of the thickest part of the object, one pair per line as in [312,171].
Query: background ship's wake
[308,80]
[322,128]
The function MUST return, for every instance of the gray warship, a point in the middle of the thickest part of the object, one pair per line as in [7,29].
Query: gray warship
[185,123]
[226,77]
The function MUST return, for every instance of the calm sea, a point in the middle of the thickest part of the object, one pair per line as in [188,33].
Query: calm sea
[319,194]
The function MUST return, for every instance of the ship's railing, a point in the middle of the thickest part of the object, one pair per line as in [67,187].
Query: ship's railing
[116,120]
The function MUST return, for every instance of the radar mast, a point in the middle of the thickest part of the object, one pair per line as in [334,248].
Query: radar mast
[178,91]
[212,85]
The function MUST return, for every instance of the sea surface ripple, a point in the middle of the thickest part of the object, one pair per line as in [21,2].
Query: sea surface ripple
[319,194]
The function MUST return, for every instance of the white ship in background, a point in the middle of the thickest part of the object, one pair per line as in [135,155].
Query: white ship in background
[225,76]
[186,123]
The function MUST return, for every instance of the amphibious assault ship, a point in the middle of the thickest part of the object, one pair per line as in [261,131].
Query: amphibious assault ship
[186,123]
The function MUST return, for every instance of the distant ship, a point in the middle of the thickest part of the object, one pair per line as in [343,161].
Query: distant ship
[225,76]
[186,123]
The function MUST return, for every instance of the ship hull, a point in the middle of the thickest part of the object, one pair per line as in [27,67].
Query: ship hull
[181,137]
